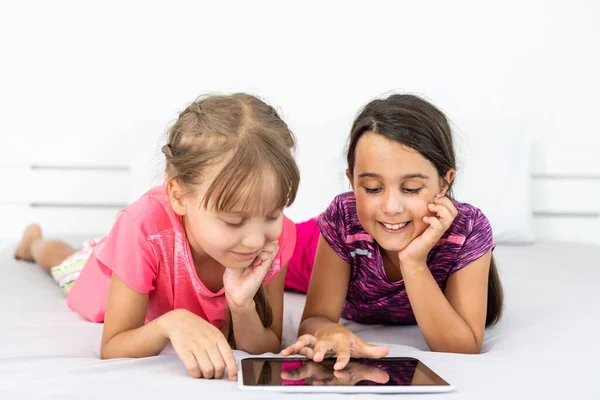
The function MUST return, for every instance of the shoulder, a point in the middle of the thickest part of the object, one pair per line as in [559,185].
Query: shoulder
[339,226]
[470,232]
[287,240]
[469,219]
[341,213]
[346,202]
[152,212]
[468,238]
[287,243]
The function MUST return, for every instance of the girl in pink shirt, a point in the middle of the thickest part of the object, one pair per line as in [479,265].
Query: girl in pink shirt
[199,261]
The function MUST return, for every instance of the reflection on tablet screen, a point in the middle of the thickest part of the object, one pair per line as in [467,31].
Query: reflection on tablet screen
[358,372]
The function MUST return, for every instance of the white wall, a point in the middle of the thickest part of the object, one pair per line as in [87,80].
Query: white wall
[94,83]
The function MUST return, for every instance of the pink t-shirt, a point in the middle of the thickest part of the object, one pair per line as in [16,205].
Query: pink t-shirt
[148,249]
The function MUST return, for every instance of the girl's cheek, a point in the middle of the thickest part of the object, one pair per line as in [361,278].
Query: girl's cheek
[418,206]
[274,232]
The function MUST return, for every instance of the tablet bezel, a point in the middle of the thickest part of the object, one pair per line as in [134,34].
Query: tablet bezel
[247,375]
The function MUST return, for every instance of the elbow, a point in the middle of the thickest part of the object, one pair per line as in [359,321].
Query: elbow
[302,328]
[477,347]
[105,352]
[468,346]
[458,349]
[270,345]
[276,349]
[104,355]
[276,346]
[254,351]
[473,349]
[469,343]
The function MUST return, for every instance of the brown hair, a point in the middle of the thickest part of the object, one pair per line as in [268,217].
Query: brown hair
[418,124]
[248,137]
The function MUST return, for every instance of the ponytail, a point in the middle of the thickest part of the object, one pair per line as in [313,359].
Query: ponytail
[495,298]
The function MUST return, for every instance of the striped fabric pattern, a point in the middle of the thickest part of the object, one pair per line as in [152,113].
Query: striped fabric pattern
[66,273]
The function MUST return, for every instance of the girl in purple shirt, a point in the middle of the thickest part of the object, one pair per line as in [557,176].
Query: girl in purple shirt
[397,249]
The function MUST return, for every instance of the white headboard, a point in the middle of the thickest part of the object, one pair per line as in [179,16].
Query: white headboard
[76,192]
[565,192]
[81,83]
[70,183]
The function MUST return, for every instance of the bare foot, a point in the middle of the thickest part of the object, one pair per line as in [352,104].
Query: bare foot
[23,251]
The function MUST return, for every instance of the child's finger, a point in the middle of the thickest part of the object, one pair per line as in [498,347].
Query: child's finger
[372,351]
[271,247]
[292,349]
[320,349]
[303,341]
[434,224]
[442,212]
[208,370]
[229,359]
[191,364]
[265,257]
[342,348]
[307,352]
[287,351]
[217,361]
[445,201]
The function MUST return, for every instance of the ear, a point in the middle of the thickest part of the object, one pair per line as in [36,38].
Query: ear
[177,197]
[447,181]
[349,176]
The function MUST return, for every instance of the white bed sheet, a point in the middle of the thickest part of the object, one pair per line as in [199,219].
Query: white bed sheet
[546,346]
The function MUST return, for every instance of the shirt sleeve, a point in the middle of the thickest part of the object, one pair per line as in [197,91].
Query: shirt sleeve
[287,243]
[127,252]
[478,242]
[333,228]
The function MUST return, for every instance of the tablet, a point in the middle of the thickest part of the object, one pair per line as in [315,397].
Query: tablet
[361,375]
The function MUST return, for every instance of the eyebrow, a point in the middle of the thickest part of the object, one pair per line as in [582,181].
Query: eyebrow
[404,177]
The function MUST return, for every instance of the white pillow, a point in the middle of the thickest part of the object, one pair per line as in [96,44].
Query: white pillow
[493,174]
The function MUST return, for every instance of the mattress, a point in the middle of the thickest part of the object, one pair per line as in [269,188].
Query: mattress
[546,345]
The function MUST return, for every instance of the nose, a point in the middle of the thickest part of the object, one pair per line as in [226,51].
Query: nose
[254,239]
[392,203]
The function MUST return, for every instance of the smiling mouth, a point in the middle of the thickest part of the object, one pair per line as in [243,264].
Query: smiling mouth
[395,227]
[245,256]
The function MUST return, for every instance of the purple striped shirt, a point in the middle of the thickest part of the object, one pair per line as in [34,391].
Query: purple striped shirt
[371,298]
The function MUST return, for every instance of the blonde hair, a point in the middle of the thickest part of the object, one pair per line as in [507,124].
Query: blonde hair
[248,137]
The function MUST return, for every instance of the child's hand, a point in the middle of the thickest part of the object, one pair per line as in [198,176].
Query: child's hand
[201,346]
[334,339]
[418,249]
[241,284]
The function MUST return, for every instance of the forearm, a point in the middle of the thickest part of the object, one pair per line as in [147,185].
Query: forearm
[311,324]
[250,334]
[442,327]
[146,341]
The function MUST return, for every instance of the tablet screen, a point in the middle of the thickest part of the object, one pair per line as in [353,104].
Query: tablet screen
[389,371]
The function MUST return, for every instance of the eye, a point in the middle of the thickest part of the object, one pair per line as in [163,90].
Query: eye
[372,191]
[411,191]
[272,218]
[235,224]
